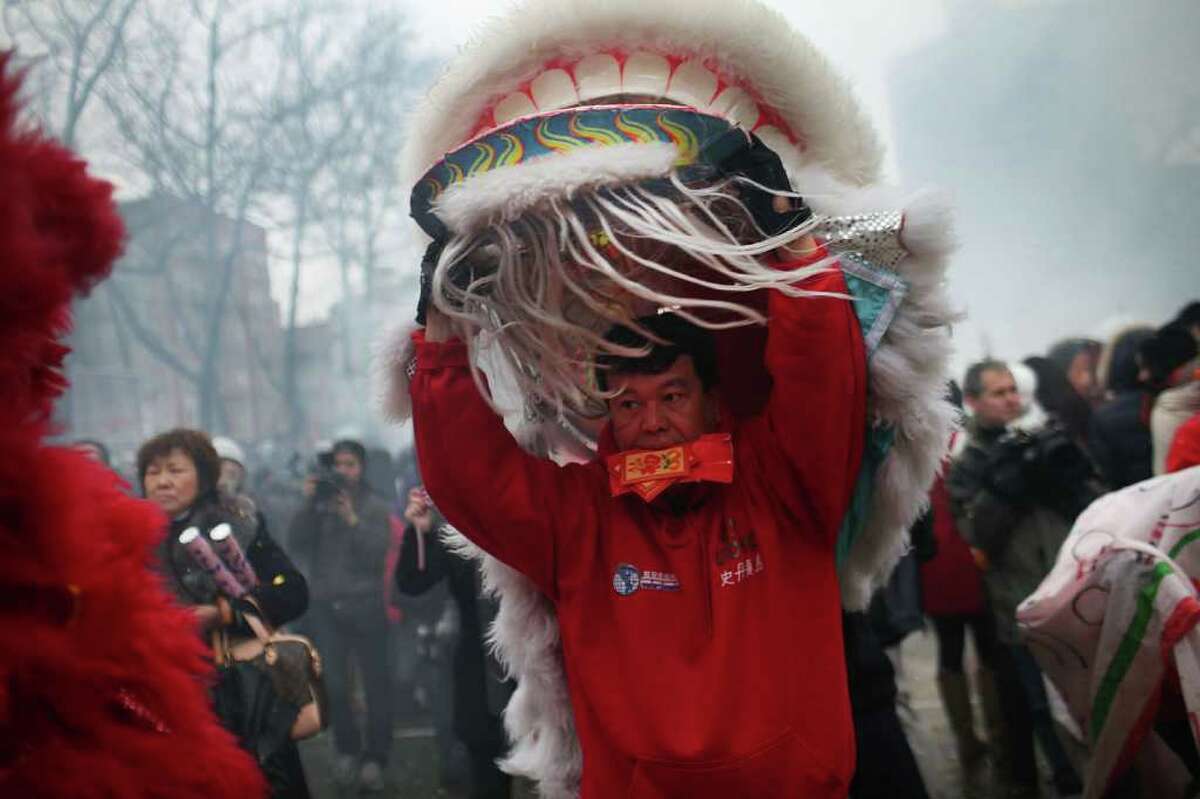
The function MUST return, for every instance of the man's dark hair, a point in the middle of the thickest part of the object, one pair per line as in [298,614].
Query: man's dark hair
[973,381]
[195,444]
[684,338]
[355,448]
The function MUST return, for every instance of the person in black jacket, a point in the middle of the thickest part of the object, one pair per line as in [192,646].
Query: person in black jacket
[178,470]
[1119,433]
[479,691]
[343,531]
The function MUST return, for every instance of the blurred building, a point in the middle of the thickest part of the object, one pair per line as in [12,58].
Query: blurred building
[139,343]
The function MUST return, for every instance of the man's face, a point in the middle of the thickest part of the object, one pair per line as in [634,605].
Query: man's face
[998,403]
[656,411]
[348,466]
[171,482]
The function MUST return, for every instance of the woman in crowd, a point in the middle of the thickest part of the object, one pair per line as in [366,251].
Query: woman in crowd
[179,471]
[1119,432]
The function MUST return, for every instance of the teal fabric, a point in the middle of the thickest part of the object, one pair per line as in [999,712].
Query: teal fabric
[877,293]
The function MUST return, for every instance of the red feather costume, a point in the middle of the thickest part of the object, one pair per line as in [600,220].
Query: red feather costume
[102,675]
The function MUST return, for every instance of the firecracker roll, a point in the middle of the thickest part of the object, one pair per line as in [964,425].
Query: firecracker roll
[230,552]
[202,554]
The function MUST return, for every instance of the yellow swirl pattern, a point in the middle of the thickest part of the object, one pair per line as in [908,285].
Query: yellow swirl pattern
[483,160]
[435,188]
[456,173]
[554,141]
[514,150]
[594,135]
[685,141]
[636,131]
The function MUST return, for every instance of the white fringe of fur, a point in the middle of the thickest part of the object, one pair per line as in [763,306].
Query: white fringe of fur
[546,291]
[524,636]
[906,377]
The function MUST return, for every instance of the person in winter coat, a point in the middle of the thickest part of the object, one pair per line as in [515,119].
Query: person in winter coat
[692,595]
[179,471]
[480,691]
[343,530]
[1014,497]
[1171,367]
[1119,432]
[1078,360]
[954,600]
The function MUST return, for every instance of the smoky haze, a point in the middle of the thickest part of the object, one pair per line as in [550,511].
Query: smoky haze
[255,147]
[1069,135]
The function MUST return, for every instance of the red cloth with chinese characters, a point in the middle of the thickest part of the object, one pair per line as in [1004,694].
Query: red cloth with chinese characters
[703,650]
[650,472]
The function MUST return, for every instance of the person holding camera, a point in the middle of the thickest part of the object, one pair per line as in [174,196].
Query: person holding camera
[344,530]
[1014,496]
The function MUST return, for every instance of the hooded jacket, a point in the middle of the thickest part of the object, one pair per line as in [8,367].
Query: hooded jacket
[703,648]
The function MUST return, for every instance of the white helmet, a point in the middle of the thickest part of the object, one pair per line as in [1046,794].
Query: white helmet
[228,449]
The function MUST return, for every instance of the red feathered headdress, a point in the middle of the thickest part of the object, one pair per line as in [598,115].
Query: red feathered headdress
[102,675]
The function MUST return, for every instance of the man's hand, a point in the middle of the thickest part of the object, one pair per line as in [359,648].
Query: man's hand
[310,486]
[345,509]
[419,511]
[437,325]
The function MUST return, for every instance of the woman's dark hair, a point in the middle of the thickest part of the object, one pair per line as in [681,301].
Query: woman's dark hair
[684,338]
[1168,349]
[195,444]
[1063,353]
[1122,372]
[1058,397]
[1188,316]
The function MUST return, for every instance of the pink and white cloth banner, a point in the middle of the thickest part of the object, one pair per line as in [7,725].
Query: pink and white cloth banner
[1117,613]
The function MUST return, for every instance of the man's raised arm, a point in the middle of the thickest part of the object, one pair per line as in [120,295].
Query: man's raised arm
[509,502]
[816,413]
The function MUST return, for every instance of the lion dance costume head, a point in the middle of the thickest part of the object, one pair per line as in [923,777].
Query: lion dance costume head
[582,165]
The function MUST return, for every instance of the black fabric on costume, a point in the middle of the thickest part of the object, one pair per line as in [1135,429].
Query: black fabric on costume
[480,693]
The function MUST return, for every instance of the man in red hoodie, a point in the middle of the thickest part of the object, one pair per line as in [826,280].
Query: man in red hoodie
[691,566]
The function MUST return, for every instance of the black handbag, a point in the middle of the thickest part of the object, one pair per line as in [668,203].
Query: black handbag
[290,662]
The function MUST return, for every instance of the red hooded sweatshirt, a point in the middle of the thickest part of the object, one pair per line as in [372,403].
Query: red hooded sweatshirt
[703,651]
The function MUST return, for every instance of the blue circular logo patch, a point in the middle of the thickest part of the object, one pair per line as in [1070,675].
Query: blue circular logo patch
[626,579]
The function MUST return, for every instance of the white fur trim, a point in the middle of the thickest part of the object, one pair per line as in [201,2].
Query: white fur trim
[504,194]
[742,38]
[906,386]
[393,357]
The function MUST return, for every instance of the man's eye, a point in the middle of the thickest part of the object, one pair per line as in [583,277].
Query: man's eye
[673,397]
[629,405]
